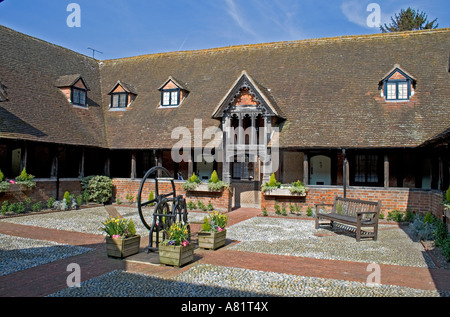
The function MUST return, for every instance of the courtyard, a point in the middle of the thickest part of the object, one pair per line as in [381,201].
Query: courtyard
[263,257]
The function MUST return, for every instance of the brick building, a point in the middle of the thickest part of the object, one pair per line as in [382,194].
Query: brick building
[370,111]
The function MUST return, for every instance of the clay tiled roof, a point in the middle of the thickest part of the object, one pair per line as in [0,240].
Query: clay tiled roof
[36,108]
[327,91]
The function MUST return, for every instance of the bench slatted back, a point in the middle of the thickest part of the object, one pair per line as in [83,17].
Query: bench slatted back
[350,207]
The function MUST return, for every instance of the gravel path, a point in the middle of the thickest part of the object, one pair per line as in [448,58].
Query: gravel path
[18,254]
[300,238]
[88,220]
[204,280]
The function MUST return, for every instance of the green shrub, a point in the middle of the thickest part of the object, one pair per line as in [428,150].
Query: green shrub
[214,178]
[37,207]
[191,205]
[151,196]
[447,194]
[79,200]
[130,198]
[395,215]
[264,212]
[309,211]
[5,207]
[50,202]
[99,188]
[20,208]
[210,207]
[277,208]
[2,176]
[67,197]
[25,179]
[206,225]
[428,218]
[272,180]
[194,179]
[283,210]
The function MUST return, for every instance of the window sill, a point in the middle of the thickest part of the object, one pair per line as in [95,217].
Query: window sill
[80,106]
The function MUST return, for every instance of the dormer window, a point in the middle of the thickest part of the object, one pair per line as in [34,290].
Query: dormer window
[170,97]
[78,96]
[119,100]
[74,88]
[398,85]
[173,92]
[122,95]
[397,90]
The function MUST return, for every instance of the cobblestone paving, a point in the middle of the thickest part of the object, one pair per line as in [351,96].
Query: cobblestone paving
[18,254]
[205,280]
[300,238]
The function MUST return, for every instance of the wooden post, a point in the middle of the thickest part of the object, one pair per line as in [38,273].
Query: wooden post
[133,165]
[386,171]
[81,174]
[305,169]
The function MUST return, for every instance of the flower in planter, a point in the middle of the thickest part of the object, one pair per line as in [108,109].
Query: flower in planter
[177,234]
[118,228]
[11,181]
[215,223]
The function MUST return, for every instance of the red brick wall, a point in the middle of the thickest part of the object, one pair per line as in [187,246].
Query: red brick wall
[392,198]
[221,201]
[44,189]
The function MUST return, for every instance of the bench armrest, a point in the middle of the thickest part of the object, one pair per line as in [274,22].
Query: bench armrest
[367,212]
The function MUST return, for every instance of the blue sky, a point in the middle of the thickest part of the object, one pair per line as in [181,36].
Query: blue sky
[121,28]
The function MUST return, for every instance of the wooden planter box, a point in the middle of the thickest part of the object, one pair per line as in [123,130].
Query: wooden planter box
[120,248]
[161,237]
[282,192]
[211,240]
[176,255]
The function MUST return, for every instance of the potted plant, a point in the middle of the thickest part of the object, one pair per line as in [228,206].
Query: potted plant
[213,233]
[274,188]
[215,184]
[191,183]
[176,249]
[121,237]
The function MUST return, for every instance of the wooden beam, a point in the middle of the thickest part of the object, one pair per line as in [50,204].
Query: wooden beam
[386,171]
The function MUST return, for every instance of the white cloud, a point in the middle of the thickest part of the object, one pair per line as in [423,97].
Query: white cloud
[355,11]
[242,21]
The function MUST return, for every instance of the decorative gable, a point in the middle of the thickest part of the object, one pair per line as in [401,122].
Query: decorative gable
[246,93]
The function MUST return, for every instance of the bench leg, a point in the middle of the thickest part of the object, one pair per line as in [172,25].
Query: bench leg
[358,234]
[317,222]
[375,232]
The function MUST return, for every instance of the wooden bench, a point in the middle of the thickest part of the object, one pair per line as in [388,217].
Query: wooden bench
[354,212]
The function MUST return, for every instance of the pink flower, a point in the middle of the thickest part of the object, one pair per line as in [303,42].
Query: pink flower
[116,236]
[219,229]
[11,181]
[185,243]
